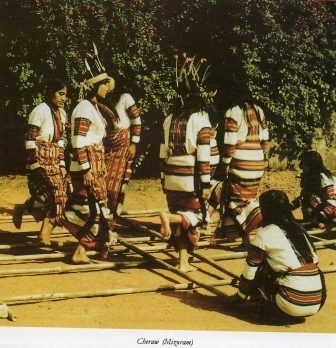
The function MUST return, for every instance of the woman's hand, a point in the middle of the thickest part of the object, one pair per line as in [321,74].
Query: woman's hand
[63,172]
[205,194]
[88,179]
[131,151]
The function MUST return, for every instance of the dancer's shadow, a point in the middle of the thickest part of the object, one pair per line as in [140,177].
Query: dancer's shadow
[6,212]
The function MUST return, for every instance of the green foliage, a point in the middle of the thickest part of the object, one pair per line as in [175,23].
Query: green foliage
[64,30]
[285,47]
[288,52]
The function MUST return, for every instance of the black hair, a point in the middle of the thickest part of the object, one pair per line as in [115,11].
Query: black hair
[239,94]
[92,91]
[53,86]
[113,97]
[275,209]
[314,161]
[188,101]
[311,180]
[119,88]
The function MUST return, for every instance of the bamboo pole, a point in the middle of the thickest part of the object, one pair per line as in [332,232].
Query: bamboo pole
[324,242]
[34,245]
[203,258]
[154,233]
[154,248]
[328,269]
[222,257]
[110,292]
[229,256]
[60,255]
[118,265]
[171,268]
[123,291]
[146,212]
[215,265]
[60,244]
[28,218]
[93,267]
[40,256]
[10,217]
[202,243]
[73,268]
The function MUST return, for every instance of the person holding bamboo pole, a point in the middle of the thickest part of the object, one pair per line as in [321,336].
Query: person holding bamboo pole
[281,264]
[317,198]
[185,165]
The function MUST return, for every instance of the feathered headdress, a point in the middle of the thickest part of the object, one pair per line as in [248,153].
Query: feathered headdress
[190,77]
[94,67]
[96,72]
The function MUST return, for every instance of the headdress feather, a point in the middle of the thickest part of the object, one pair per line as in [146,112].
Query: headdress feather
[95,67]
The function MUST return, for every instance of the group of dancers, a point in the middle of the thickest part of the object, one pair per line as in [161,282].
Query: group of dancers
[199,173]
[282,264]
[101,143]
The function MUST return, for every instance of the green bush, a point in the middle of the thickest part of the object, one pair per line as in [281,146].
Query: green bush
[285,47]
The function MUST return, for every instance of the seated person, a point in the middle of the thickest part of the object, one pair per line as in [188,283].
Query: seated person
[318,194]
[281,264]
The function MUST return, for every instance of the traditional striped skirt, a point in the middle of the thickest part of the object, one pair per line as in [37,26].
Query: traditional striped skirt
[301,291]
[242,213]
[48,190]
[119,168]
[240,218]
[86,215]
[193,214]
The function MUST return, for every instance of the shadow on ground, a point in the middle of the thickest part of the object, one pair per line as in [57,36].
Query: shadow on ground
[254,313]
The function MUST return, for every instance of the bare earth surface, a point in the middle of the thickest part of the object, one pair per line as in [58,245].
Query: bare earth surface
[145,309]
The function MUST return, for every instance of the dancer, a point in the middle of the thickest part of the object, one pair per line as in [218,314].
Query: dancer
[185,165]
[282,263]
[86,215]
[318,192]
[245,141]
[47,176]
[122,136]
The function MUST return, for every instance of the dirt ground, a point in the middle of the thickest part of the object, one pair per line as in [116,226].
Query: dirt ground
[133,319]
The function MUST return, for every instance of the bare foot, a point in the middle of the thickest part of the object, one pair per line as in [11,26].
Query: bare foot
[165,226]
[186,268]
[80,257]
[44,237]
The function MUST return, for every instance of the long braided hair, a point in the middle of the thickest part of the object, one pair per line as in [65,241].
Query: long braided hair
[275,209]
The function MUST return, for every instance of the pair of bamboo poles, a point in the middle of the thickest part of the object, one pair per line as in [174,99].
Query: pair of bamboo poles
[149,259]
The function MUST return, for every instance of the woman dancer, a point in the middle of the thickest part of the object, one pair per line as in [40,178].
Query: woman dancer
[47,179]
[185,158]
[86,215]
[245,141]
[185,168]
[122,136]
